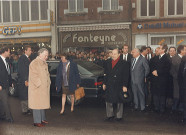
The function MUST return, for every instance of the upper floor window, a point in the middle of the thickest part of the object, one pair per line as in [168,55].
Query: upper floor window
[110,4]
[147,7]
[175,7]
[75,5]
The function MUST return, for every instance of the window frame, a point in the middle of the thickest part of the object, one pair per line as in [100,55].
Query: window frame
[110,1]
[76,9]
[175,9]
[139,11]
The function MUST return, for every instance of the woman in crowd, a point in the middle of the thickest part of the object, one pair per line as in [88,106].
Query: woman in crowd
[67,79]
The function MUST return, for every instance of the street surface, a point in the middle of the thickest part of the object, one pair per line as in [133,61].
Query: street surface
[88,119]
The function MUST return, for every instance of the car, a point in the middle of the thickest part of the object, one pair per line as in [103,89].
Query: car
[91,79]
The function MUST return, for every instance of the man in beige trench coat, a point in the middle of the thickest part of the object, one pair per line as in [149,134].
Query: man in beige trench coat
[39,88]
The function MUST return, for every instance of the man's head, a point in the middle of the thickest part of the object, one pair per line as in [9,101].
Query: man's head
[27,50]
[43,54]
[163,49]
[5,52]
[181,50]
[157,51]
[149,49]
[144,50]
[172,51]
[125,49]
[135,52]
[115,54]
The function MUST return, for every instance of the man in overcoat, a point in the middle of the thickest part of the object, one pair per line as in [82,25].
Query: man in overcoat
[23,72]
[115,81]
[161,74]
[39,87]
[176,60]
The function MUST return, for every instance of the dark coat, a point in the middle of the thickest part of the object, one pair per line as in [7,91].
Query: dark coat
[5,79]
[74,77]
[23,72]
[162,80]
[115,79]
[129,57]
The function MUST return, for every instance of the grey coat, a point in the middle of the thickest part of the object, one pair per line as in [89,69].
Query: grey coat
[140,71]
[176,60]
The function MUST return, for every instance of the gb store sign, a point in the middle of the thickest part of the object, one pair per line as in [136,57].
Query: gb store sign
[11,30]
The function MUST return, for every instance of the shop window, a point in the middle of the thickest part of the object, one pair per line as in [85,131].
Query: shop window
[161,40]
[44,8]
[175,7]
[110,4]
[147,7]
[15,11]
[75,5]
[181,40]
[34,10]
[6,10]
[25,10]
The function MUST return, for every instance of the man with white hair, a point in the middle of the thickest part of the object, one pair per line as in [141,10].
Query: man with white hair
[139,71]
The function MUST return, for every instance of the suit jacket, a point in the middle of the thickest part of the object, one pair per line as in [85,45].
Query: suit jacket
[129,57]
[176,60]
[114,79]
[140,71]
[4,77]
[74,77]
[163,69]
[23,72]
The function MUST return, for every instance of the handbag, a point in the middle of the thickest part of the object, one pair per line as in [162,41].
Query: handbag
[79,93]
[126,96]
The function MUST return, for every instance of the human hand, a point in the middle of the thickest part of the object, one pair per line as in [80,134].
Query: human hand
[104,87]
[124,89]
[26,83]
[1,88]
[77,85]
[155,73]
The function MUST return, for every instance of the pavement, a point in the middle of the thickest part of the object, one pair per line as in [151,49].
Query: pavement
[88,119]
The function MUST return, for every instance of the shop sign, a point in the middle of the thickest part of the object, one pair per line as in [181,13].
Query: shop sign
[161,25]
[95,38]
[11,30]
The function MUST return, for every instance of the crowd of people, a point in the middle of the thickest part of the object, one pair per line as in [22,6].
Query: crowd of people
[142,73]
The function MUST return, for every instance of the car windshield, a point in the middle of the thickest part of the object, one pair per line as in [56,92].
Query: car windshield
[89,68]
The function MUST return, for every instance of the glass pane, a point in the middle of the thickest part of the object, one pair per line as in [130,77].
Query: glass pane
[114,4]
[15,11]
[34,10]
[143,7]
[106,4]
[72,6]
[0,12]
[25,10]
[181,40]
[179,7]
[80,5]
[166,40]
[151,7]
[44,7]
[171,5]
[6,11]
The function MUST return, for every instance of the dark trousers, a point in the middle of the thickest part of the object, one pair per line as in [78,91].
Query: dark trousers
[110,110]
[159,102]
[5,104]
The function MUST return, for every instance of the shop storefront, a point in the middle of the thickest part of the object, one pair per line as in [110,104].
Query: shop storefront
[17,36]
[100,37]
[154,33]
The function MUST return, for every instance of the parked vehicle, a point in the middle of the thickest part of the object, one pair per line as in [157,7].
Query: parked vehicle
[91,79]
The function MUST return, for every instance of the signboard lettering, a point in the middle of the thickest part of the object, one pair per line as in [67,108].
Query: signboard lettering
[11,30]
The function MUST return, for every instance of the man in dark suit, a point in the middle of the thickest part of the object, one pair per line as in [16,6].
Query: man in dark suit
[176,60]
[126,56]
[161,73]
[23,72]
[115,81]
[139,71]
[5,80]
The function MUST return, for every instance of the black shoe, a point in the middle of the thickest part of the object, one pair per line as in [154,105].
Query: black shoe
[10,120]
[118,119]
[109,118]
[143,111]
[24,113]
[29,112]
[184,121]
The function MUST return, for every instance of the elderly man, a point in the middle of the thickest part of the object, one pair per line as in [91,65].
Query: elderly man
[39,88]
[115,81]
[139,72]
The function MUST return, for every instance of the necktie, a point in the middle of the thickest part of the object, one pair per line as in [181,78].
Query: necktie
[125,57]
[160,57]
[133,64]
